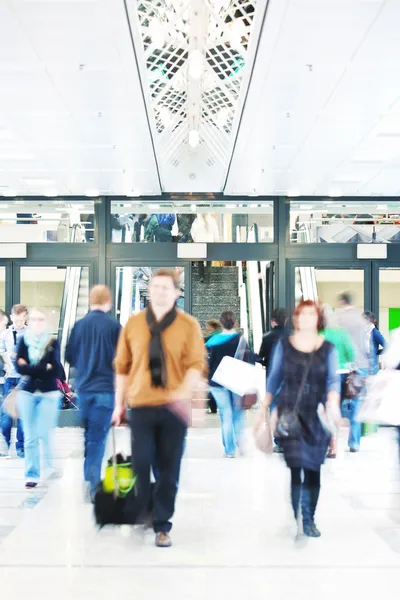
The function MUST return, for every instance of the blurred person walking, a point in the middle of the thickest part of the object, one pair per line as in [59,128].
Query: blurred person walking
[204,230]
[9,342]
[3,328]
[38,398]
[226,343]
[279,319]
[91,350]
[159,363]
[351,319]
[346,355]
[213,326]
[305,366]
[375,341]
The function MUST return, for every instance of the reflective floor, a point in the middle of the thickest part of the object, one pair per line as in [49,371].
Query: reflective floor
[233,531]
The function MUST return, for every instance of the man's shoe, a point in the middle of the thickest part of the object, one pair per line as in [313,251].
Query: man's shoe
[163,540]
[311,530]
[30,485]
[354,450]
[20,453]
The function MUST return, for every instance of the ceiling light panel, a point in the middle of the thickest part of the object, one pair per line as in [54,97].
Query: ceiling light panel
[195,56]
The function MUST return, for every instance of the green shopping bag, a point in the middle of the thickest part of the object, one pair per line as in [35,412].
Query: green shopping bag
[369,429]
[119,478]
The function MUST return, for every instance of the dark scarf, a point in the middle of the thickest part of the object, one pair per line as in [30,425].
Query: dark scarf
[157,363]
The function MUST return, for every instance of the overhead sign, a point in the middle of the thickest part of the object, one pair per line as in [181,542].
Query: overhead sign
[192,251]
[8,250]
[372,251]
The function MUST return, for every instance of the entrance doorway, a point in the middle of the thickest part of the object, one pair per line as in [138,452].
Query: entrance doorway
[244,287]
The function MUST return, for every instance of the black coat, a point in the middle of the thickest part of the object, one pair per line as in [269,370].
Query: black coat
[38,377]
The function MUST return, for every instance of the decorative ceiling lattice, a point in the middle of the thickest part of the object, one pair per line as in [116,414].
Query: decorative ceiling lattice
[195,54]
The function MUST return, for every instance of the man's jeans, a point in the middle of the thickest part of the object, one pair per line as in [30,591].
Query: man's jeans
[96,412]
[39,414]
[157,427]
[232,419]
[6,422]
[350,410]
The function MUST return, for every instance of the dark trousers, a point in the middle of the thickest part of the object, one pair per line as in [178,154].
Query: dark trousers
[7,421]
[96,412]
[157,428]
[205,270]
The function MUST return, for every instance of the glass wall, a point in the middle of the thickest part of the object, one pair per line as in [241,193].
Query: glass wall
[60,292]
[46,220]
[345,222]
[325,285]
[183,221]
[132,293]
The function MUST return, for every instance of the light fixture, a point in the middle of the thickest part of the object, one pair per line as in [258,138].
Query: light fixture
[293,193]
[157,33]
[193,208]
[165,116]
[337,193]
[51,193]
[16,156]
[92,192]
[196,64]
[42,181]
[194,138]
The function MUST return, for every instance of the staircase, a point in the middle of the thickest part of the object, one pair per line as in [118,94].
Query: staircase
[209,300]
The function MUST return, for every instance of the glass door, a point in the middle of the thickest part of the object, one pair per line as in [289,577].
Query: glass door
[131,289]
[323,285]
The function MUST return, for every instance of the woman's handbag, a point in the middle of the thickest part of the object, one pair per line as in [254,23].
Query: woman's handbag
[352,386]
[263,437]
[289,424]
[10,404]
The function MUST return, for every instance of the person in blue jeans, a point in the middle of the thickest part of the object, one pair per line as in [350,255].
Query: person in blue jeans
[9,341]
[38,398]
[352,320]
[227,343]
[91,350]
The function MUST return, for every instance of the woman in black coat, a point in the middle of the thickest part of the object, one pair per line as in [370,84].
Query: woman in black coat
[305,358]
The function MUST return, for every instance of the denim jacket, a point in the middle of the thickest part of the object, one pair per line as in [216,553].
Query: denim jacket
[9,342]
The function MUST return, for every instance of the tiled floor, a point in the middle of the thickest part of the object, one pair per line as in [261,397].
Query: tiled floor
[233,534]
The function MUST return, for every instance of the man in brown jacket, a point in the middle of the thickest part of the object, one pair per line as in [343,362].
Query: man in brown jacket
[160,360]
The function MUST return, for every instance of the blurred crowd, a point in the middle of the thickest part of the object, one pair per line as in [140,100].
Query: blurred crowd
[316,364]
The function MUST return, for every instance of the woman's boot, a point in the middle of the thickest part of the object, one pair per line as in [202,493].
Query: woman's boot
[309,500]
[295,494]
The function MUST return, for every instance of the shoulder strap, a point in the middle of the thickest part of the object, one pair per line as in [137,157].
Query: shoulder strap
[14,336]
[306,372]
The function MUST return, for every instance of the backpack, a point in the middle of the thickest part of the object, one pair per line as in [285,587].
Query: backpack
[166,221]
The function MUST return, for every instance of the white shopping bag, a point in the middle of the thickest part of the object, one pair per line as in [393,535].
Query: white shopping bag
[240,377]
[382,401]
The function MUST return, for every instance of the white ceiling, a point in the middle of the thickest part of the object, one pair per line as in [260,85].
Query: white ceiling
[72,118]
[332,127]
[322,114]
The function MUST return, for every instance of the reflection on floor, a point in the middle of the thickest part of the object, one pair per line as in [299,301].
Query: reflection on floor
[233,531]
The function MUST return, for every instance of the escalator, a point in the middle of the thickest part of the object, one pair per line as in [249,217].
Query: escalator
[74,306]
[306,281]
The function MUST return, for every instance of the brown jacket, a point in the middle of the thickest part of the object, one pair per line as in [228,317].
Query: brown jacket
[184,349]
